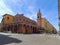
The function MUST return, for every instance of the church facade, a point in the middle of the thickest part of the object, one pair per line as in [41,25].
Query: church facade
[21,24]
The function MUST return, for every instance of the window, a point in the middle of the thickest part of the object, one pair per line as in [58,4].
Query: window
[7,17]
[38,16]
[20,19]
[23,19]
[59,18]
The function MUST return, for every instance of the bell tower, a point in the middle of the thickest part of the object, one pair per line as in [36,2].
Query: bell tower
[39,19]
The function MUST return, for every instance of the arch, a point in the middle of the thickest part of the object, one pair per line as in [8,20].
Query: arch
[15,28]
[8,28]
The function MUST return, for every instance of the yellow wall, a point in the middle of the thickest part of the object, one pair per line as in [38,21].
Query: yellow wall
[6,20]
[47,26]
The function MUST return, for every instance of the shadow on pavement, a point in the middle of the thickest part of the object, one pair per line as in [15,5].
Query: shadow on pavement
[5,39]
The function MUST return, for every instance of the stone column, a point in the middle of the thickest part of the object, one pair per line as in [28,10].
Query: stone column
[12,29]
[6,27]
[23,28]
[18,28]
[31,31]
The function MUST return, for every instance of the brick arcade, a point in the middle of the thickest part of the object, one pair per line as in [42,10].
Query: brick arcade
[21,24]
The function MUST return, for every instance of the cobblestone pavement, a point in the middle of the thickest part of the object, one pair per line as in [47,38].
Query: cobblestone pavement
[29,39]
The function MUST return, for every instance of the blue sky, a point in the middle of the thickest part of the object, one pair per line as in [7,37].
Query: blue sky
[48,8]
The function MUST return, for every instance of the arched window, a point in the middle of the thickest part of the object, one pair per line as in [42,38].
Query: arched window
[8,18]
[38,16]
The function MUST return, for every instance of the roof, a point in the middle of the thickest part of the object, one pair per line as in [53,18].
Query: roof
[6,14]
[22,15]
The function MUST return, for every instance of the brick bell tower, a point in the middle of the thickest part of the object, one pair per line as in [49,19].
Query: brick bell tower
[39,19]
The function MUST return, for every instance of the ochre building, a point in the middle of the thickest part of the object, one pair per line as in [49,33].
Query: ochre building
[59,13]
[47,27]
[21,24]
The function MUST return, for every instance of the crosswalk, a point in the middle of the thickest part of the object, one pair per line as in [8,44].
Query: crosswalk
[41,35]
[50,35]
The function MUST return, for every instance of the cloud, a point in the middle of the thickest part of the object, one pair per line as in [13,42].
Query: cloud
[21,5]
[31,13]
[30,8]
[4,9]
[51,16]
[18,6]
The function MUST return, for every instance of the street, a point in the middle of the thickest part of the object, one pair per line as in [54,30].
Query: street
[29,39]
